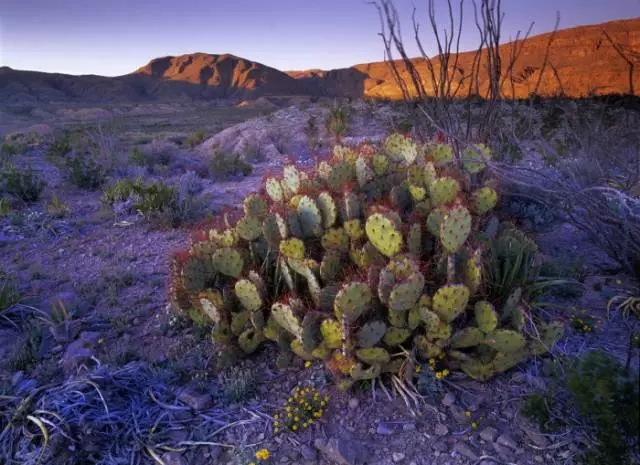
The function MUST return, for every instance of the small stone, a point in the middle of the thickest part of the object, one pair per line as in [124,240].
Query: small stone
[489,434]
[343,451]
[385,429]
[354,403]
[459,414]
[448,400]
[465,450]
[504,452]
[538,439]
[397,457]
[409,427]
[173,458]
[508,441]
[441,430]
[195,400]
[308,453]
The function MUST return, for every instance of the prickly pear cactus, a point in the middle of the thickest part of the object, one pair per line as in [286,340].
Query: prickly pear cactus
[379,250]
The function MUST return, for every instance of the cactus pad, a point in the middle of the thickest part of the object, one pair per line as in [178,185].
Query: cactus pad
[249,228]
[360,373]
[473,271]
[486,316]
[291,180]
[248,295]
[332,266]
[405,295]
[474,158]
[274,229]
[435,220]
[352,300]
[455,228]
[380,164]
[443,191]
[292,248]
[335,239]
[396,336]
[228,261]
[371,333]
[383,234]
[274,189]
[450,301]
[354,229]
[331,334]
[467,337]
[211,304]
[441,154]
[484,200]
[549,335]
[373,355]
[255,207]
[283,315]
[310,218]
[505,340]
[328,208]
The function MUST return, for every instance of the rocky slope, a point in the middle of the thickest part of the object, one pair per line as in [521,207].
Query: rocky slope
[581,62]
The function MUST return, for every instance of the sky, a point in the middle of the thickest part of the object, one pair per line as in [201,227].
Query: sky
[114,37]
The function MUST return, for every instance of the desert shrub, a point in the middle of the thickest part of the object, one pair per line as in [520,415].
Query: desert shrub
[331,264]
[224,165]
[8,293]
[56,208]
[195,138]
[5,207]
[85,171]
[23,183]
[190,183]
[337,122]
[312,131]
[535,214]
[158,201]
[605,395]
[238,384]
[61,146]
[7,151]
[137,157]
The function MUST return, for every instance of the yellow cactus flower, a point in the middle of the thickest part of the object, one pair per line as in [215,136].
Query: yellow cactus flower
[308,364]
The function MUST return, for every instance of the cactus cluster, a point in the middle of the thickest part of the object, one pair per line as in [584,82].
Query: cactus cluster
[375,249]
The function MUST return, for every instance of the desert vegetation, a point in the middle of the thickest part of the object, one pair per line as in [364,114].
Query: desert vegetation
[446,278]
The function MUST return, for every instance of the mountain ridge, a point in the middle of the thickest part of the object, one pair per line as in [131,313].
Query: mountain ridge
[581,62]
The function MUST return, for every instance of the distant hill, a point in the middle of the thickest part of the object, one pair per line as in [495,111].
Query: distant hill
[581,62]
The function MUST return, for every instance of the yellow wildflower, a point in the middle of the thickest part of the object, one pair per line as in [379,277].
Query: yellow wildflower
[262,454]
[467,413]
[474,425]
[308,364]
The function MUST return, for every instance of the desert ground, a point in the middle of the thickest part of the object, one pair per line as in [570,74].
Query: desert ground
[96,366]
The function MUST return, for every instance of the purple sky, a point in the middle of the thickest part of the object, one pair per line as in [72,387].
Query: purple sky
[115,37]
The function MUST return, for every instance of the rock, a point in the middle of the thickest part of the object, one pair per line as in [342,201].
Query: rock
[504,452]
[195,400]
[79,352]
[465,450]
[507,441]
[537,438]
[409,427]
[173,458]
[354,403]
[459,414]
[308,453]
[343,451]
[441,430]
[489,434]
[448,400]
[385,429]
[397,457]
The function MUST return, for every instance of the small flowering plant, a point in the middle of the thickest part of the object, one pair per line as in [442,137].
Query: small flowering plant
[302,409]
[429,377]
[582,322]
